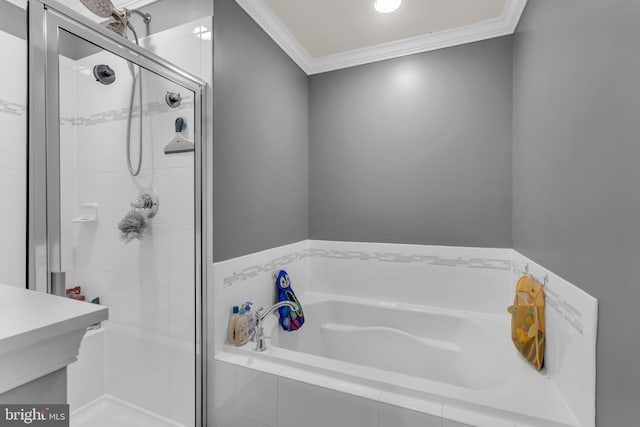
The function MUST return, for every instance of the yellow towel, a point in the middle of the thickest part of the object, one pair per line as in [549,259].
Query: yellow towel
[527,320]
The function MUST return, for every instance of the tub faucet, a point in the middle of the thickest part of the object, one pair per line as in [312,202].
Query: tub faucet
[261,344]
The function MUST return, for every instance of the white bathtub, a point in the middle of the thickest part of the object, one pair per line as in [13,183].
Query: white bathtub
[455,359]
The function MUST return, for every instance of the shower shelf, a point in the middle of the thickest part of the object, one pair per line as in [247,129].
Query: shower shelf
[88,214]
[79,220]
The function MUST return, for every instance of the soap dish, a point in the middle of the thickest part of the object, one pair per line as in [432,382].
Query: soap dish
[88,213]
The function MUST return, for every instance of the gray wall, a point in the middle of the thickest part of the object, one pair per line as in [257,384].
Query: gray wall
[577,173]
[415,149]
[260,188]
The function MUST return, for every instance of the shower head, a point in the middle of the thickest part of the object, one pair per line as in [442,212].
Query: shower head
[118,27]
[119,17]
[101,8]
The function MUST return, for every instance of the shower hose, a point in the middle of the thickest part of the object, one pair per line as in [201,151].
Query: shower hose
[136,81]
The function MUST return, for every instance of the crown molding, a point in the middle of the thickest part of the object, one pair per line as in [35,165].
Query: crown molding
[264,16]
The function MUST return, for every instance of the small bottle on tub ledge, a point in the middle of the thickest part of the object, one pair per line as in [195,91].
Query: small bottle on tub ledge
[231,330]
[242,329]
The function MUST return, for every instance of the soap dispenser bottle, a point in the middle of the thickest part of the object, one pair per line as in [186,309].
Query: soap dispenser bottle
[242,329]
[251,318]
[231,332]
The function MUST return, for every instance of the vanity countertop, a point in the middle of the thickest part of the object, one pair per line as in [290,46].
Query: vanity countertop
[40,333]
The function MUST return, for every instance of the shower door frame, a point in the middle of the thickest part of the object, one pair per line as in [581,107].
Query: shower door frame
[46,19]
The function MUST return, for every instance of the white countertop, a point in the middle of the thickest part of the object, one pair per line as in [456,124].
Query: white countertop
[35,322]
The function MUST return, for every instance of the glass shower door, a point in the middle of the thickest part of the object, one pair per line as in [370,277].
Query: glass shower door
[123,230]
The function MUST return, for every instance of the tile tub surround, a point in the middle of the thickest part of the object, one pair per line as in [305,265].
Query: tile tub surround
[250,278]
[468,279]
[572,320]
[255,392]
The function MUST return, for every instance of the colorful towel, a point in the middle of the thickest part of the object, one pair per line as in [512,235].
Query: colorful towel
[290,320]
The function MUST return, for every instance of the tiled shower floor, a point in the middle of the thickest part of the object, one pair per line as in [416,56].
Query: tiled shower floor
[109,412]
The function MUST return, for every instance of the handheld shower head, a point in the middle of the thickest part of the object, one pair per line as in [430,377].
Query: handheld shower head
[119,22]
[118,27]
[101,8]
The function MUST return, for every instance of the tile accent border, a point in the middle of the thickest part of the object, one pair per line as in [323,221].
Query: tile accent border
[367,256]
[8,107]
[274,264]
[149,109]
[554,299]
[565,309]
[484,263]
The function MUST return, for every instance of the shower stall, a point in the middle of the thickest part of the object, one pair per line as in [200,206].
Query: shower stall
[116,218]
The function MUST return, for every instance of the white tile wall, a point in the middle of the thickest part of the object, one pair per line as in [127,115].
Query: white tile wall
[300,404]
[258,285]
[479,282]
[257,397]
[13,148]
[345,410]
[449,423]
[219,418]
[475,279]
[570,360]
[422,407]
[271,398]
[223,384]
[465,417]
[394,416]
[264,394]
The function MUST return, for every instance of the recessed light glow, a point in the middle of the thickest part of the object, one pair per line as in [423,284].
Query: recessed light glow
[202,32]
[199,30]
[387,6]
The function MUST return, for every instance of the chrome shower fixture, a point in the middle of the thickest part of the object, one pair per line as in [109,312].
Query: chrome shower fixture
[101,8]
[147,202]
[119,17]
[104,74]
[173,99]
[119,23]
[146,17]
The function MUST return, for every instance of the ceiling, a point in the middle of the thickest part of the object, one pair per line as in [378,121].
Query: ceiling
[324,35]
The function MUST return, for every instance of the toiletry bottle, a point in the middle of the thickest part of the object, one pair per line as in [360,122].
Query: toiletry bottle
[242,329]
[231,335]
[252,321]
